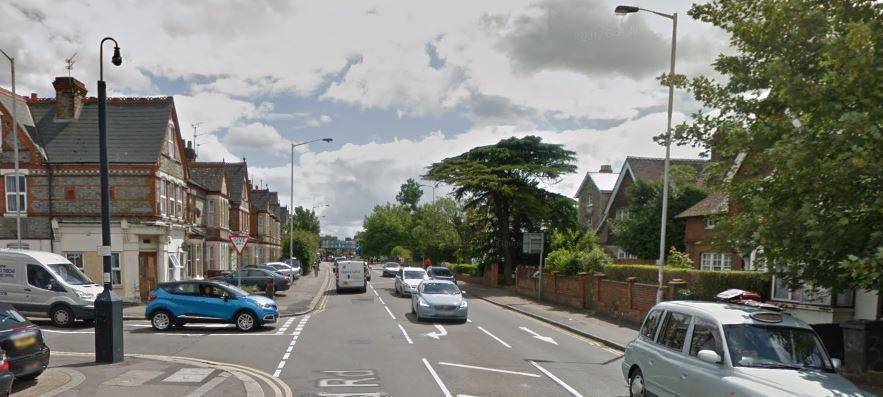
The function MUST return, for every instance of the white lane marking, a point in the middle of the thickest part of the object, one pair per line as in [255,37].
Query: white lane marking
[252,387]
[375,292]
[555,378]
[381,300]
[468,320]
[289,348]
[494,336]
[208,386]
[133,378]
[189,375]
[295,334]
[408,338]
[276,373]
[538,336]
[390,312]
[286,355]
[437,335]
[437,379]
[281,365]
[503,371]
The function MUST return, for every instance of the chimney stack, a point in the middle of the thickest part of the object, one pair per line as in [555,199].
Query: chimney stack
[606,168]
[189,153]
[70,95]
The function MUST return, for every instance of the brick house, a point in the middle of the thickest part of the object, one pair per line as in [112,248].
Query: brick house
[212,179]
[240,212]
[633,169]
[593,195]
[699,223]
[266,226]
[58,144]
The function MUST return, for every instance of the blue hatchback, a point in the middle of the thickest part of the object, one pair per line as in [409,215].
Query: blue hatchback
[177,303]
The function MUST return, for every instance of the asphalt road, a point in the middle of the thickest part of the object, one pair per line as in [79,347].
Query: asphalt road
[369,344]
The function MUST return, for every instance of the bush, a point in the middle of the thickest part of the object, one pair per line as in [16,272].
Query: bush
[570,263]
[678,259]
[463,268]
[703,285]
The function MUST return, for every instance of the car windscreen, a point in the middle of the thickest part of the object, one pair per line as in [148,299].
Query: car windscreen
[414,274]
[69,274]
[9,318]
[775,347]
[441,289]
[441,272]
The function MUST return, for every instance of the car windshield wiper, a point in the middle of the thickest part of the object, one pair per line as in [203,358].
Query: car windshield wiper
[774,366]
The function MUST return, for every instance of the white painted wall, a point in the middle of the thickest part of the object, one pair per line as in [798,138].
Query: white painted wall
[866,304]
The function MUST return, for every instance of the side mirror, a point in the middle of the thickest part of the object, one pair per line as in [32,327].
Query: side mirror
[709,356]
[463,293]
[226,297]
[836,363]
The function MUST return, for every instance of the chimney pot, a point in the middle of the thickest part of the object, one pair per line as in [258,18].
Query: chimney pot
[33,97]
[606,168]
[70,95]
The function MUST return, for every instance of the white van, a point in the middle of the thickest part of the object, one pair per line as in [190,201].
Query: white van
[42,283]
[351,275]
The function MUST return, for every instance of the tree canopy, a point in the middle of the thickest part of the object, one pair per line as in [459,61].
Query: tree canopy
[801,101]
[502,183]
[409,194]
[304,219]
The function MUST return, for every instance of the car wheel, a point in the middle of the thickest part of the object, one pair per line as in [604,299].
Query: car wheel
[636,384]
[161,320]
[31,376]
[61,316]
[246,321]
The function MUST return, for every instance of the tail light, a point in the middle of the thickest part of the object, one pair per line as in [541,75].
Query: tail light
[4,363]
[151,297]
[285,280]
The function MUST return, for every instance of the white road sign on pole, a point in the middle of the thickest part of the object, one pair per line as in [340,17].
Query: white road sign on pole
[239,242]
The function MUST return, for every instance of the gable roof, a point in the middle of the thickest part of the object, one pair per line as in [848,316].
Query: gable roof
[135,130]
[237,175]
[604,181]
[208,175]
[23,117]
[714,203]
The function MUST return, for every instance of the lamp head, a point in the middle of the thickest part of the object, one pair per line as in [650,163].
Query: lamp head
[327,139]
[623,10]
[116,59]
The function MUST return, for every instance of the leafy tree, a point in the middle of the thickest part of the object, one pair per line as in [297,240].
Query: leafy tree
[500,180]
[385,227]
[304,219]
[435,230]
[409,194]
[306,246]
[401,253]
[639,232]
[801,100]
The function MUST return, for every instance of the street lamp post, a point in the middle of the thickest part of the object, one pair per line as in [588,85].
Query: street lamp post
[108,306]
[623,10]
[291,197]
[17,177]
[433,189]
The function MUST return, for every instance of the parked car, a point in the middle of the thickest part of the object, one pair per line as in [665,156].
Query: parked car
[439,299]
[6,377]
[351,275]
[408,279]
[711,348]
[390,269]
[367,271]
[296,266]
[440,273]
[26,355]
[256,276]
[40,283]
[283,269]
[180,302]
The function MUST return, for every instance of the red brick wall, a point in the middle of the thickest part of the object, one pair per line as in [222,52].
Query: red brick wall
[696,238]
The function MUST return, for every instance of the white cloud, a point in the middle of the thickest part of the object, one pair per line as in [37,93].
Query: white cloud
[256,136]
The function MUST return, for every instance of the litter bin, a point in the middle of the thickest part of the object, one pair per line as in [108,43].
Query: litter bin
[863,345]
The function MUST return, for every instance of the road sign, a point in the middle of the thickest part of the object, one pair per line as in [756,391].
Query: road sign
[533,243]
[239,242]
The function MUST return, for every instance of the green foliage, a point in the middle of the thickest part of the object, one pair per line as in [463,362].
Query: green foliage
[304,219]
[581,239]
[501,183]
[639,232]
[464,268]
[434,230]
[801,97]
[401,253]
[409,194]
[571,262]
[306,246]
[384,228]
[678,260]
[704,285]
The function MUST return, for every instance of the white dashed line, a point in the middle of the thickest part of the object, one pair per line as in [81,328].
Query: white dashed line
[375,292]
[295,335]
[555,378]
[390,312]
[381,300]
[494,336]
[437,379]
[408,338]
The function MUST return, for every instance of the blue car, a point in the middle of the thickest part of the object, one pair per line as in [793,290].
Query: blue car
[174,304]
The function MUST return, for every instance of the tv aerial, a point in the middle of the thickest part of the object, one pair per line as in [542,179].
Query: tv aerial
[70,64]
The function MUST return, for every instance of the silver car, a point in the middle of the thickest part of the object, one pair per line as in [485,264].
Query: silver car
[284,269]
[407,280]
[439,299]
[722,349]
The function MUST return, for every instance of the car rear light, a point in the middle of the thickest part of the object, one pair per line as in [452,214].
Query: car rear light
[285,280]
[151,297]
[4,363]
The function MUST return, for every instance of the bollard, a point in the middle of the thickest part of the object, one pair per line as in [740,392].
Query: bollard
[271,289]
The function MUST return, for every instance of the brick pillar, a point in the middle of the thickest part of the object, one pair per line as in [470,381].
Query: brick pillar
[630,291]
[598,277]
[583,297]
[674,286]
[554,285]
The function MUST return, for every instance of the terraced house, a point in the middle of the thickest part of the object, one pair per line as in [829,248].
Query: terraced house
[165,224]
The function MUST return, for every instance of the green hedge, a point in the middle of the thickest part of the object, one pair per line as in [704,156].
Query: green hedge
[703,285]
[466,268]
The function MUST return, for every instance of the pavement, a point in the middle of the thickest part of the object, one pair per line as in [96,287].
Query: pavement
[610,332]
[300,299]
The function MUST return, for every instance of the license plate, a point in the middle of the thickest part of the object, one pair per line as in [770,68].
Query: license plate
[24,342]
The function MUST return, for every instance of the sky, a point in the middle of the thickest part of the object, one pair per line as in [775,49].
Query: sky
[396,84]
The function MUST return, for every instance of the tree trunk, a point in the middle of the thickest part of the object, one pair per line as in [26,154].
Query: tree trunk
[502,214]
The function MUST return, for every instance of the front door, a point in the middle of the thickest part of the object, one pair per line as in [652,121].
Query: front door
[146,273]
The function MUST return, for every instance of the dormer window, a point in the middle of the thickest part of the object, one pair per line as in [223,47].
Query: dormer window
[709,223]
[171,135]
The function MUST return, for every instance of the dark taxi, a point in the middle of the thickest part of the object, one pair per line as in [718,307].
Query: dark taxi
[22,342]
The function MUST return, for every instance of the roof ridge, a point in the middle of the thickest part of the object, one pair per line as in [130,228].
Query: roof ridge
[6,92]
[663,158]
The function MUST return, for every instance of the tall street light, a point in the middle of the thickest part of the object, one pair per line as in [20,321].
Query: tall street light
[291,211]
[624,10]
[108,306]
[17,177]
[433,189]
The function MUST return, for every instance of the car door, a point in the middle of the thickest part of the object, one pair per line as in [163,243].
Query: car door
[13,284]
[39,288]
[186,299]
[214,304]
[665,372]
[699,377]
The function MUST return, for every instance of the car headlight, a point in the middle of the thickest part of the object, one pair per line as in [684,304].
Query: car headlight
[463,304]
[422,303]
[85,296]
[264,305]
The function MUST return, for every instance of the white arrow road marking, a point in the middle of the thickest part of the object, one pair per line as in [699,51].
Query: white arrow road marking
[441,332]
[536,335]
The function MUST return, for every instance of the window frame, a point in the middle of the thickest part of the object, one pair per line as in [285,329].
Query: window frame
[171,141]
[20,198]
[179,202]
[716,331]
[118,269]
[77,255]
[709,223]
[719,261]
[163,204]
[651,338]
[661,331]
